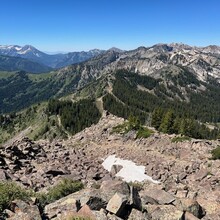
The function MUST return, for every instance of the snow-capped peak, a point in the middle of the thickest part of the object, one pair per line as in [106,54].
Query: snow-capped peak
[26,51]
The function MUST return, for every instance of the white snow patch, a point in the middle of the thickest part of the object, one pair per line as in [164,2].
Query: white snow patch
[37,54]
[18,48]
[130,171]
[25,51]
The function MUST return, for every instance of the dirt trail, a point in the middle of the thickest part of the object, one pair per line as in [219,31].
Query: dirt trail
[99,105]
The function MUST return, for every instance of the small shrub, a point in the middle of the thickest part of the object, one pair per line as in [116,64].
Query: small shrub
[10,191]
[62,189]
[216,153]
[144,132]
[122,128]
[134,123]
[180,139]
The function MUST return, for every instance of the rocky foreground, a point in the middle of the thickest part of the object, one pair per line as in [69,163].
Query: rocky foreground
[189,181]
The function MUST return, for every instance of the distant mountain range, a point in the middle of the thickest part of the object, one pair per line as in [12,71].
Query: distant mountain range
[181,72]
[54,61]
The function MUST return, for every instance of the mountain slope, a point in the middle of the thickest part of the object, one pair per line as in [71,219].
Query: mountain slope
[148,61]
[177,76]
[8,63]
[121,93]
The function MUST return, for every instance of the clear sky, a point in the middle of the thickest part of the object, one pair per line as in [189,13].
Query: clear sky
[74,25]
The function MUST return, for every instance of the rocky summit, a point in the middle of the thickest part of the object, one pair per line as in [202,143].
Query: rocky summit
[188,178]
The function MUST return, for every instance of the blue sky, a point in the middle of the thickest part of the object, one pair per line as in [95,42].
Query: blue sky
[74,25]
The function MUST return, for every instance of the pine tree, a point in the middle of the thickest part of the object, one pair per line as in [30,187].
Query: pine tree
[134,123]
[166,125]
[176,125]
[157,116]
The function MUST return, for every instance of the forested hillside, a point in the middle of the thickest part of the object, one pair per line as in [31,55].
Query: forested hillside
[50,120]
[157,105]
[20,90]
[75,116]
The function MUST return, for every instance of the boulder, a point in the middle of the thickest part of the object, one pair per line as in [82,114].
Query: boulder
[164,212]
[23,216]
[201,174]
[24,211]
[100,215]
[212,216]
[65,204]
[191,206]
[138,215]
[110,187]
[182,193]
[116,204]
[189,216]
[85,211]
[212,207]
[156,196]
[96,202]
[73,202]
